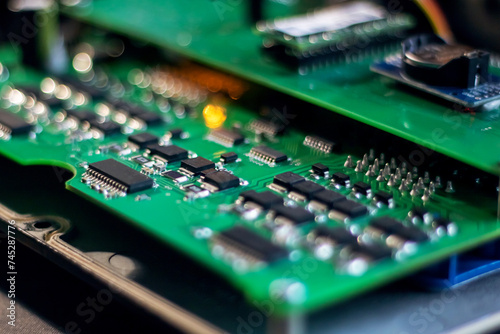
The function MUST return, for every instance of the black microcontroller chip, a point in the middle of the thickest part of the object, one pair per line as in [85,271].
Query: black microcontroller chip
[268,154]
[350,208]
[320,169]
[411,233]
[341,179]
[229,157]
[150,118]
[297,215]
[362,188]
[383,197]
[170,153]
[373,252]
[441,222]
[176,133]
[328,197]
[107,128]
[13,123]
[229,137]
[307,188]
[196,165]
[81,115]
[142,140]
[386,225]
[287,179]
[222,180]
[205,172]
[130,179]
[265,199]
[245,241]
[337,235]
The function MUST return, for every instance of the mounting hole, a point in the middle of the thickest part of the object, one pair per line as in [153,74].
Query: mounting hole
[42,225]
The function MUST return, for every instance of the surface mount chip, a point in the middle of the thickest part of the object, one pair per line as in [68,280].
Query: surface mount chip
[196,165]
[267,154]
[170,153]
[265,199]
[13,124]
[226,137]
[222,180]
[112,175]
[142,140]
[249,245]
[107,128]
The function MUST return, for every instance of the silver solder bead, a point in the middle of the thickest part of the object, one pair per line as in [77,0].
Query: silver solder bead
[359,166]
[393,164]
[449,187]
[414,191]
[403,187]
[380,176]
[349,163]
[392,181]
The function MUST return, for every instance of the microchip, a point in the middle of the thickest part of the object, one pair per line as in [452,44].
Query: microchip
[226,137]
[141,160]
[320,169]
[143,139]
[222,180]
[372,252]
[383,197]
[307,188]
[205,172]
[319,144]
[328,197]
[263,126]
[175,176]
[170,153]
[13,124]
[115,176]
[297,215]
[196,165]
[350,208]
[176,133]
[107,128]
[341,179]
[228,157]
[324,35]
[287,179]
[81,115]
[391,226]
[267,154]
[362,188]
[337,235]
[265,199]
[149,118]
[249,245]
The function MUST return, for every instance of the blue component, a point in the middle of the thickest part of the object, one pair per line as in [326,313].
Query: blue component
[462,267]
[468,97]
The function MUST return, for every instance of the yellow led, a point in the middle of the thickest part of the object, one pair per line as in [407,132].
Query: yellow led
[214,116]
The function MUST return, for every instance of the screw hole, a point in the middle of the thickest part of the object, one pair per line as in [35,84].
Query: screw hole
[42,225]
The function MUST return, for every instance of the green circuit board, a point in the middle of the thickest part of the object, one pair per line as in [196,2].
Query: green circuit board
[223,38]
[296,269]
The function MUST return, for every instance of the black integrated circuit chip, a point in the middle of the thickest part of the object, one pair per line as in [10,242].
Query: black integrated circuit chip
[243,241]
[13,124]
[229,157]
[362,188]
[341,179]
[107,128]
[227,137]
[205,172]
[296,214]
[170,153]
[350,208]
[222,180]
[175,176]
[268,154]
[196,165]
[142,140]
[267,127]
[383,197]
[328,197]
[140,160]
[176,133]
[81,115]
[287,179]
[319,143]
[265,199]
[336,235]
[391,226]
[372,252]
[320,169]
[307,188]
[118,175]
